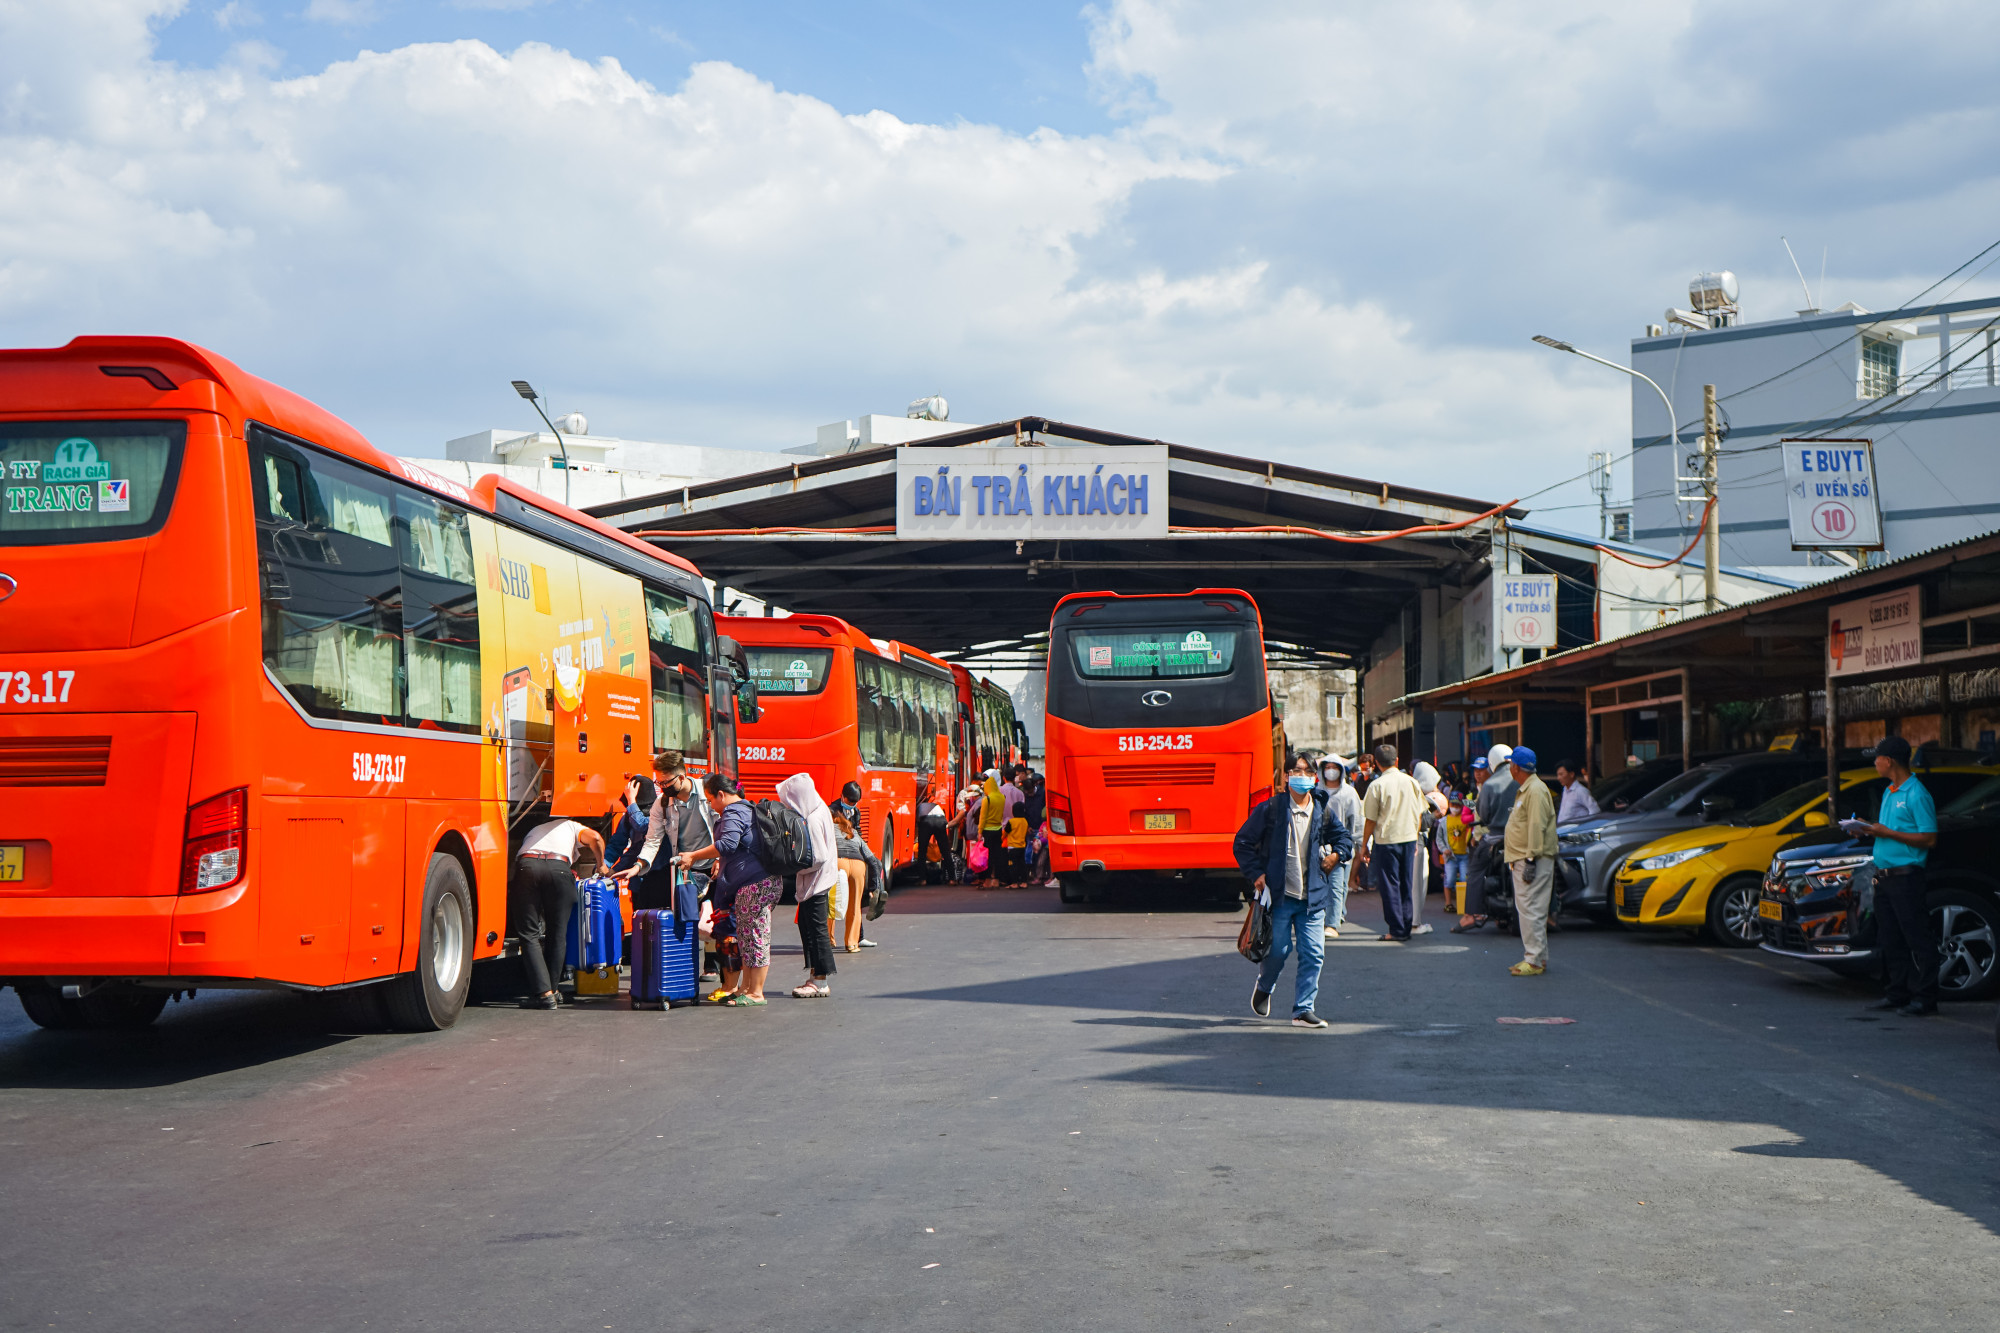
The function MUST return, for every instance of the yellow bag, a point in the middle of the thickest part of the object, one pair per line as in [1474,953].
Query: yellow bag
[597,981]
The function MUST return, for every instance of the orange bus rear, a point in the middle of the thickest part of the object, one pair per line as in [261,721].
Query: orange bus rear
[279,705]
[843,707]
[1158,739]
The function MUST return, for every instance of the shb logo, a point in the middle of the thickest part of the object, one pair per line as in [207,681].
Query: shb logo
[1156,698]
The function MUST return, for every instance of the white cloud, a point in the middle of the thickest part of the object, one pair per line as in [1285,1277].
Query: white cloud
[1325,235]
[236,14]
[350,13]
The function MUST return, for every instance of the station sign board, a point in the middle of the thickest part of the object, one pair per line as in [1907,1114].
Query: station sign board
[1830,495]
[1527,611]
[1031,492]
[1875,633]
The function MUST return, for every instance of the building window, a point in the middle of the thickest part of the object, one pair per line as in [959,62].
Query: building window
[1336,708]
[1879,359]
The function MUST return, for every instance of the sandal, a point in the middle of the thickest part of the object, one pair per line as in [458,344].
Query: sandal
[720,996]
[744,1002]
[811,990]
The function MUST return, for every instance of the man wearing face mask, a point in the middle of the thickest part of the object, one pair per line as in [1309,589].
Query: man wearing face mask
[1288,850]
[680,821]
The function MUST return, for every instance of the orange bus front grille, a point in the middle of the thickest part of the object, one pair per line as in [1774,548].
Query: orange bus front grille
[758,789]
[54,761]
[1153,775]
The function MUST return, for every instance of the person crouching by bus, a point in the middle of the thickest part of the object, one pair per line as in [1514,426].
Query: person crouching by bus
[541,898]
[814,884]
[1288,849]
[742,886]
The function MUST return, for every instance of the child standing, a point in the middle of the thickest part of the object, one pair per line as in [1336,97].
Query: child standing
[1014,846]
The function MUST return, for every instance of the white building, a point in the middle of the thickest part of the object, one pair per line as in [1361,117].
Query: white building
[1923,384]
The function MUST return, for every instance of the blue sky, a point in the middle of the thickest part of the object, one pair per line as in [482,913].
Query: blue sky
[1314,230]
[1019,65]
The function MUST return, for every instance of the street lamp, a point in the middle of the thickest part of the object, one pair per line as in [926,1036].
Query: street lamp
[1673,427]
[527,391]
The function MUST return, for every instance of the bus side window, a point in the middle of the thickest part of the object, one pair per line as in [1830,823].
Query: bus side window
[868,710]
[440,614]
[333,598]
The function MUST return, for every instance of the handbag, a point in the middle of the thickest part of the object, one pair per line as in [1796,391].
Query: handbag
[1254,940]
[975,857]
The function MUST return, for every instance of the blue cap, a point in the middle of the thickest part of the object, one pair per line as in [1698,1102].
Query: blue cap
[1480,762]
[1523,756]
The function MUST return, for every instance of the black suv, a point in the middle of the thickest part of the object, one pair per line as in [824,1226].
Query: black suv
[1819,901]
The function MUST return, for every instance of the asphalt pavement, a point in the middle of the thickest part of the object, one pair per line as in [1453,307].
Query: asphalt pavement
[1016,1115]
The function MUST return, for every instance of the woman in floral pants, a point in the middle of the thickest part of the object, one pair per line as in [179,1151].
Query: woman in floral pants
[742,886]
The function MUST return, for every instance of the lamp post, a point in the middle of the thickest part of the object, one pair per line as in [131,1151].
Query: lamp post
[527,391]
[1713,525]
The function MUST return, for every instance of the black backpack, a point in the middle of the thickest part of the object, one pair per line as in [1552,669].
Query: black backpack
[784,843]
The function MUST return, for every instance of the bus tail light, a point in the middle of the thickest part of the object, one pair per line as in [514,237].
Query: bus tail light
[1060,818]
[1258,797]
[218,836]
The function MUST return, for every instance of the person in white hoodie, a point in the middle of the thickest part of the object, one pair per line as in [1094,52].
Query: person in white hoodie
[1420,887]
[813,884]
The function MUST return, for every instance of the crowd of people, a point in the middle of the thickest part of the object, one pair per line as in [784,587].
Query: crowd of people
[1337,825]
[692,847]
[998,837]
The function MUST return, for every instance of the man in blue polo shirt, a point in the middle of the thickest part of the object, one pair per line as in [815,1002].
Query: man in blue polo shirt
[1903,841]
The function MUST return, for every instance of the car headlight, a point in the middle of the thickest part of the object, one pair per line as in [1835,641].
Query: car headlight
[1583,839]
[1667,860]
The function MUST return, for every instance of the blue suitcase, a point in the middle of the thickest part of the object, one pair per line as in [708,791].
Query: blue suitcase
[666,961]
[596,927]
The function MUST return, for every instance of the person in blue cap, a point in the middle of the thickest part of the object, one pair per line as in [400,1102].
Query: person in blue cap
[1530,850]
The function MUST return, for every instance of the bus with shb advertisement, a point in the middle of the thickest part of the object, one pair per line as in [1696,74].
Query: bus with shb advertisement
[314,693]
[842,707]
[1159,737]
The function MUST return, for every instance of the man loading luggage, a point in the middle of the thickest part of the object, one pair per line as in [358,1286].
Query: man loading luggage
[680,821]
[542,894]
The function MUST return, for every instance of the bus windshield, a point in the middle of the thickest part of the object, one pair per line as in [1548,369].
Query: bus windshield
[86,481]
[1106,658]
[789,670]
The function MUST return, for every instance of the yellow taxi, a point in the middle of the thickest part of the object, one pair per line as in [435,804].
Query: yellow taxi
[1710,877]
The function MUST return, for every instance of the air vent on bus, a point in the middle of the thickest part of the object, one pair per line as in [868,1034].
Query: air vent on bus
[1147,775]
[54,761]
[757,789]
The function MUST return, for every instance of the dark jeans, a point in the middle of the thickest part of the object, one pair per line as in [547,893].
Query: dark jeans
[929,831]
[540,900]
[1394,870]
[812,934]
[1903,930]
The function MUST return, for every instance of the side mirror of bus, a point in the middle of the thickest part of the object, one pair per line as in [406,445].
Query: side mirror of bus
[746,701]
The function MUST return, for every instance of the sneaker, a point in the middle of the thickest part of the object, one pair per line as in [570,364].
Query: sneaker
[811,990]
[1422,930]
[1524,968]
[1888,1006]
[1260,1002]
[1333,932]
[542,1002]
[1308,1021]
[1918,1009]
[868,944]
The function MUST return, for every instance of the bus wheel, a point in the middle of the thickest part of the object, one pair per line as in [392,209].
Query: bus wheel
[888,869]
[1064,890]
[431,998]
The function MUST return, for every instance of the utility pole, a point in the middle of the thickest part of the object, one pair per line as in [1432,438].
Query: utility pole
[1600,485]
[1711,557]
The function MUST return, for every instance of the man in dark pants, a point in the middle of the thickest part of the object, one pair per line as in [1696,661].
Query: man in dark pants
[1903,840]
[1391,812]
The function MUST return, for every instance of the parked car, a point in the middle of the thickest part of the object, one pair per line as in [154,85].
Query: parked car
[1590,853]
[1615,794]
[1711,877]
[1819,904]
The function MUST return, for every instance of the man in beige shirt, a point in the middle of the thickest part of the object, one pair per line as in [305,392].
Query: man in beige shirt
[1530,849]
[1391,810]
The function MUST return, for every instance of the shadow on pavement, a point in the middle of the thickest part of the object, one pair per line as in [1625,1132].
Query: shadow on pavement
[217,1033]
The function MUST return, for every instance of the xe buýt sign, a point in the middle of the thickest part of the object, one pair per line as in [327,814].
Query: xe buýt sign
[1830,495]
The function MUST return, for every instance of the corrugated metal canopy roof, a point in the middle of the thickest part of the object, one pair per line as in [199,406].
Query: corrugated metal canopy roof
[952,597]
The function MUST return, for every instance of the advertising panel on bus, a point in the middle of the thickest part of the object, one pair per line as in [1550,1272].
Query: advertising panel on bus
[322,686]
[1159,736]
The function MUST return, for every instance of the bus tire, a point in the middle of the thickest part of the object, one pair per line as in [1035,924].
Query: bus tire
[46,1008]
[1063,890]
[432,997]
[881,903]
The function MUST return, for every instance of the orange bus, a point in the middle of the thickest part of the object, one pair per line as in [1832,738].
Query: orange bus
[1159,737]
[843,707]
[280,706]
[992,735]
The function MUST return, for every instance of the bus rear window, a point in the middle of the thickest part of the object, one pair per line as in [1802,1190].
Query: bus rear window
[1153,654]
[789,670]
[86,481]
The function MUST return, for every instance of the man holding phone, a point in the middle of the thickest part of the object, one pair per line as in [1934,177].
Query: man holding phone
[681,822]
[1903,837]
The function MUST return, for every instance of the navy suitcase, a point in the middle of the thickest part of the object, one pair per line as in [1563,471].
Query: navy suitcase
[666,960]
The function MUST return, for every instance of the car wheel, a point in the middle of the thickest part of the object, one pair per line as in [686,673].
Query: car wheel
[1968,944]
[431,998]
[1732,913]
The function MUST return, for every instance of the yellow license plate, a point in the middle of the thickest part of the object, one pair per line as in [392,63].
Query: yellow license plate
[1160,820]
[13,862]
[1771,911]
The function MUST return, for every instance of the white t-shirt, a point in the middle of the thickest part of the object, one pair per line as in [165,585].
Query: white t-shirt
[555,838]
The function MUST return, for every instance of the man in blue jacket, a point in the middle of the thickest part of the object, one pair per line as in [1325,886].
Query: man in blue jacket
[1288,849]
